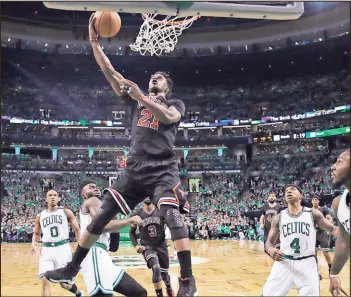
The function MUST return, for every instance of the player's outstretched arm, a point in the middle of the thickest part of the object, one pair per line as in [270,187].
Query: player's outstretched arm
[36,234]
[323,223]
[74,223]
[93,204]
[272,239]
[114,77]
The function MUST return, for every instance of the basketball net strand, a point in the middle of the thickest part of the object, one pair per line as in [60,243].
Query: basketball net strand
[156,37]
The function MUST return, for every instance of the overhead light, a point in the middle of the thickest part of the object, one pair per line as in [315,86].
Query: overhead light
[46,44]
[9,39]
[66,46]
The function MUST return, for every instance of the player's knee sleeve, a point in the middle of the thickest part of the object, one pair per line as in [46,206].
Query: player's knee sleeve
[165,276]
[174,222]
[156,273]
[105,214]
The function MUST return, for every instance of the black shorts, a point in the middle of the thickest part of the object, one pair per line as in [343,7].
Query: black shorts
[266,232]
[158,180]
[322,240]
[159,252]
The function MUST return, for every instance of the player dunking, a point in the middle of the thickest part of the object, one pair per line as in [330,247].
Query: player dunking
[295,264]
[55,252]
[269,210]
[153,246]
[151,171]
[341,206]
[322,237]
[100,275]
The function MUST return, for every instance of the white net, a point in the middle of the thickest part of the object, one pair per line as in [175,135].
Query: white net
[156,37]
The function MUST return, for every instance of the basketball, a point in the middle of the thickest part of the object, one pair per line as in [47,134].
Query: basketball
[107,24]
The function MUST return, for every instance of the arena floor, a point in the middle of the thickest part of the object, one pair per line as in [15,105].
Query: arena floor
[221,268]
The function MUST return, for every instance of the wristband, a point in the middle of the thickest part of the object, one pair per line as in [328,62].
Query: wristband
[334,276]
[93,39]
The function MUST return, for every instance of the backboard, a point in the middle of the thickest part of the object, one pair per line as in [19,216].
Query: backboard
[249,10]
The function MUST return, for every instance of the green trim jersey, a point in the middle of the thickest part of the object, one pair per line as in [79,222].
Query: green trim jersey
[297,233]
[344,210]
[54,225]
[85,219]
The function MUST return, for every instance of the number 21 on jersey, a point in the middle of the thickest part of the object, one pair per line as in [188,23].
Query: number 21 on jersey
[148,120]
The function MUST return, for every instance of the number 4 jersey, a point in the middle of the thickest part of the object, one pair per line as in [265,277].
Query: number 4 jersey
[54,225]
[152,231]
[297,233]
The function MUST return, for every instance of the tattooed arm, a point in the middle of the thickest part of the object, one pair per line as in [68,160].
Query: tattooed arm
[273,235]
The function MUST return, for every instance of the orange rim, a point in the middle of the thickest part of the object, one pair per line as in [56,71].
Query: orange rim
[194,18]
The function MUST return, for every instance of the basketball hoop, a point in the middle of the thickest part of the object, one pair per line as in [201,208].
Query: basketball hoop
[158,36]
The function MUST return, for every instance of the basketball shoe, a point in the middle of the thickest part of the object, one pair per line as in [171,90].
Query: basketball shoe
[187,287]
[65,275]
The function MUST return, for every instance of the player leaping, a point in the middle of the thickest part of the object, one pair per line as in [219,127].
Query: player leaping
[341,206]
[152,169]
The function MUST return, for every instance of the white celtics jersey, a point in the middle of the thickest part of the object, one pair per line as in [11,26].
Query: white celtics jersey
[54,225]
[85,219]
[297,233]
[344,211]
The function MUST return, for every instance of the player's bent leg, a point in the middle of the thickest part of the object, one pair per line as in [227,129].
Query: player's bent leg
[306,278]
[167,280]
[280,280]
[106,213]
[45,287]
[174,221]
[129,287]
[72,288]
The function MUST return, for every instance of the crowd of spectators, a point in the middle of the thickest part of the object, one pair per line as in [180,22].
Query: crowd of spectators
[221,209]
[80,91]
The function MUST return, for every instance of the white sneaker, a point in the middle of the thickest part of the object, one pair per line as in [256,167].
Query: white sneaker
[81,292]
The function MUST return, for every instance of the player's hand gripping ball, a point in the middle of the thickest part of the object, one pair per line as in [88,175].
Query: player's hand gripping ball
[106,24]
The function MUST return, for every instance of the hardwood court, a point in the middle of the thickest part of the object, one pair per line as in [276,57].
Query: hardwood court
[233,269]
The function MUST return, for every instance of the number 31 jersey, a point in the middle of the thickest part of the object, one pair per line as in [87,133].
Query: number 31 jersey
[54,225]
[297,233]
[152,231]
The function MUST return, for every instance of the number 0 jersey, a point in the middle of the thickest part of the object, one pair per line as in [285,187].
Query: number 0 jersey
[297,233]
[54,225]
[152,231]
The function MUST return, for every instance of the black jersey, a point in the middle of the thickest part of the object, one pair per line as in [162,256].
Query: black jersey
[325,212]
[152,231]
[151,138]
[268,213]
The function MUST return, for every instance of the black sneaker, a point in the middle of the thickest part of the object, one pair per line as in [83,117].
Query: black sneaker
[170,292]
[187,287]
[63,275]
